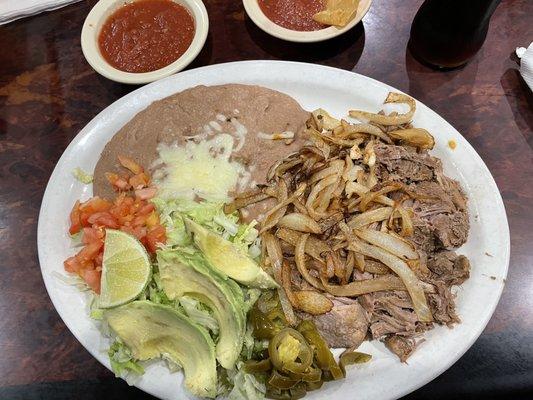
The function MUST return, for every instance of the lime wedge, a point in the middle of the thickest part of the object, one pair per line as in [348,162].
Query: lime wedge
[126,269]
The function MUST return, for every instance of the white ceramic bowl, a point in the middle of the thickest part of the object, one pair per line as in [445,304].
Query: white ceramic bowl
[261,20]
[104,8]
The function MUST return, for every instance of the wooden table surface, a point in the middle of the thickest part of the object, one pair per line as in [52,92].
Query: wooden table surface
[48,93]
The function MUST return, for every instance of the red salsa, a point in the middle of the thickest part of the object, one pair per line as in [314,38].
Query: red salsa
[296,15]
[146,35]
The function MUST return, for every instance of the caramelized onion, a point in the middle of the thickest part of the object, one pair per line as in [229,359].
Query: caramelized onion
[286,283]
[389,119]
[241,202]
[416,137]
[350,129]
[407,222]
[358,288]
[314,247]
[299,258]
[313,302]
[361,190]
[273,249]
[299,222]
[388,242]
[405,273]
[369,196]
[369,217]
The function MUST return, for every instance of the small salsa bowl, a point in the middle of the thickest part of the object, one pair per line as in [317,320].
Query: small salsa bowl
[261,20]
[104,8]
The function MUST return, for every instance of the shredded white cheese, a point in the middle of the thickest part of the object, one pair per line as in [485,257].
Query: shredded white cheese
[276,136]
[240,132]
[221,117]
[201,170]
[215,125]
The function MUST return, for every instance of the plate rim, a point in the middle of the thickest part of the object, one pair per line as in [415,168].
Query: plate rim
[499,200]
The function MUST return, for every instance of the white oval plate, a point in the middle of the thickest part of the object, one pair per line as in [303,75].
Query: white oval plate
[313,86]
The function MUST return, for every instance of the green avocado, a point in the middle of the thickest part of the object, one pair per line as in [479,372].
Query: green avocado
[228,258]
[153,330]
[184,275]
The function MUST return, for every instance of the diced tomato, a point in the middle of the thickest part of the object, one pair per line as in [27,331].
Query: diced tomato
[92,278]
[139,181]
[75,222]
[89,252]
[72,264]
[124,201]
[98,260]
[87,265]
[103,219]
[119,183]
[152,220]
[111,177]
[91,235]
[154,236]
[139,220]
[139,232]
[146,209]
[130,164]
[146,193]
[95,204]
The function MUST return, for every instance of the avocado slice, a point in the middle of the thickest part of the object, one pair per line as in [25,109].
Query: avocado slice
[182,275]
[151,330]
[228,258]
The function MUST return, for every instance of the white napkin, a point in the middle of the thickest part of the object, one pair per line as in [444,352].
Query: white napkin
[11,10]
[526,63]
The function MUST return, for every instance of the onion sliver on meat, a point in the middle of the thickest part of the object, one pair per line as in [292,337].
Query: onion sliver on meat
[417,137]
[394,245]
[313,302]
[275,255]
[400,268]
[354,187]
[274,252]
[299,257]
[274,215]
[369,217]
[357,288]
[299,222]
[314,247]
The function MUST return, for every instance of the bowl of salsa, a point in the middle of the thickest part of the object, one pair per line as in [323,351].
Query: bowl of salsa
[292,20]
[140,41]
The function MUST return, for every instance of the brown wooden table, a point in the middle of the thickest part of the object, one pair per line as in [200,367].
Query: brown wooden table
[48,92]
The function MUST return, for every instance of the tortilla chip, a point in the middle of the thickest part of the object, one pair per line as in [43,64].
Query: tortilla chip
[337,12]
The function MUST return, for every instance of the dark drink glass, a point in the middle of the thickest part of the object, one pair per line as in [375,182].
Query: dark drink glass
[448,33]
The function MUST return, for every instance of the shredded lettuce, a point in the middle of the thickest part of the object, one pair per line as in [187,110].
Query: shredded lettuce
[210,216]
[82,176]
[250,297]
[71,280]
[245,386]
[122,361]
[154,292]
[172,211]
[246,235]
[251,346]
[199,313]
